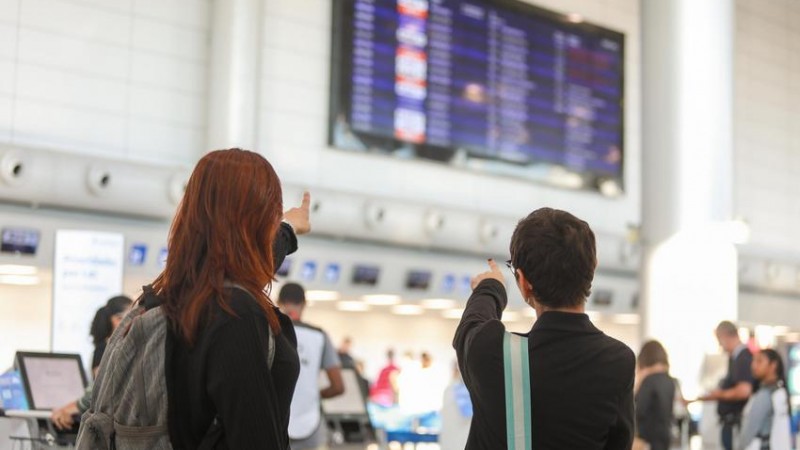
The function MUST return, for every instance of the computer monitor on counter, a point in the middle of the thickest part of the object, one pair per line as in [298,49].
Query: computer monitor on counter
[51,380]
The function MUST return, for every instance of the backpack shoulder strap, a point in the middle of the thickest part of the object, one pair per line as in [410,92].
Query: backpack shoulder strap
[516,368]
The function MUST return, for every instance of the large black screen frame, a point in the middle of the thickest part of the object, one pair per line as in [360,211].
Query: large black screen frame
[543,172]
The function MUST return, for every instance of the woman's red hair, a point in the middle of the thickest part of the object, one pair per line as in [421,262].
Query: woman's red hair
[223,231]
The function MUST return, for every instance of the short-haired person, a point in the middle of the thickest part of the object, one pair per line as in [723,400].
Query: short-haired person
[226,242]
[307,427]
[581,381]
[654,396]
[737,386]
[767,419]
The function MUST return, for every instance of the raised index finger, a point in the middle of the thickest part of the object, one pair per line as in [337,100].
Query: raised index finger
[492,265]
[306,200]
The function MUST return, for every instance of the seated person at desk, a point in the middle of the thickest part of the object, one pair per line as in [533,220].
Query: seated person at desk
[105,322]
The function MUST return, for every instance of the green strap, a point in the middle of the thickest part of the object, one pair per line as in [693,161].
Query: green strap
[516,370]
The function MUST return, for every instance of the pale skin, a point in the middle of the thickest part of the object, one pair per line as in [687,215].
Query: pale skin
[298,218]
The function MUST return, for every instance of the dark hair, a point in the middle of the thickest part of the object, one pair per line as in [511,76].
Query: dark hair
[223,231]
[652,353]
[727,328]
[101,328]
[780,371]
[556,252]
[292,294]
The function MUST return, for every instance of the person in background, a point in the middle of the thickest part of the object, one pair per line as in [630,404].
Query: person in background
[344,354]
[421,386]
[228,238]
[456,413]
[737,386]
[307,427]
[384,391]
[581,381]
[767,417]
[105,321]
[654,396]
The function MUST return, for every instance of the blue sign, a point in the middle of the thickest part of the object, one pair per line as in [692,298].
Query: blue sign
[162,257]
[448,283]
[309,271]
[466,284]
[12,394]
[137,255]
[332,272]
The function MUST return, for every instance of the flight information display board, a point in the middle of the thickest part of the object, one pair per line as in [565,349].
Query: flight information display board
[500,86]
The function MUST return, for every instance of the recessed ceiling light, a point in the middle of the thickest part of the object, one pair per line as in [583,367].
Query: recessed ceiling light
[453,313]
[17,269]
[780,330]
[627,319]
[438,303]
[382,299]
[408,310]
[793,337]
[322,296]
[352,306]
[19,280]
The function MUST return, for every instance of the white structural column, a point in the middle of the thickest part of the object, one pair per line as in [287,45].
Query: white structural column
[690,274]
[234,73]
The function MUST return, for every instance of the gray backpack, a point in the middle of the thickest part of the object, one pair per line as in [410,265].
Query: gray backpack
[129,402]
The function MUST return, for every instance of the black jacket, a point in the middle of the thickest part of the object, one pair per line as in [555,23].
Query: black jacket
[581,379]
[225,376]
[654,403]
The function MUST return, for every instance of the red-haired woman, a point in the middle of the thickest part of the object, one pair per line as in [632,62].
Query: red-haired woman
[226,242]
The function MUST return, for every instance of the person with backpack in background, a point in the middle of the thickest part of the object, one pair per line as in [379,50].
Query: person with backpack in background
[766,422]
[105,321]
[565,384]
[206,360]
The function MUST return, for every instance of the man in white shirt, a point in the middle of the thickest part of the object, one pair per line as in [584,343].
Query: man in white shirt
[307,427]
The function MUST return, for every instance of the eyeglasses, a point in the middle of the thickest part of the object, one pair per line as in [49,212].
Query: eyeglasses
[510,266]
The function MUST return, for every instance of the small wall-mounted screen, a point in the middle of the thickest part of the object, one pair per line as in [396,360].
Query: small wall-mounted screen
[19,240]
[366,275]
[602,297]
[418,279]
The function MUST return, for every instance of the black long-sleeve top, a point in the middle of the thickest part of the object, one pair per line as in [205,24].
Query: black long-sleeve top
[654,403]
[225,376]
[581,379]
